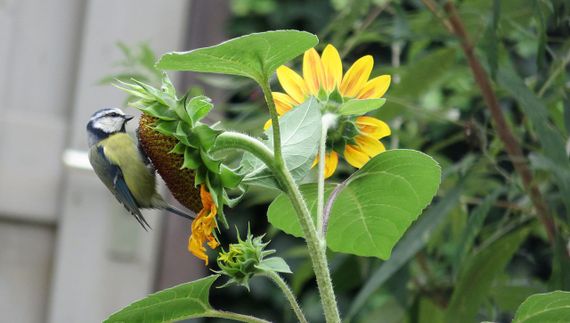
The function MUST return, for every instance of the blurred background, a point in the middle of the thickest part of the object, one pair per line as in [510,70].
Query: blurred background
[70,253]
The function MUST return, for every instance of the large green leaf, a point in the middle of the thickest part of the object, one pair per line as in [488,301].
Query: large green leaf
[474,282]
[300,131]
[547,307]
[184,301]
[374,207]
[412,242]
[255,56]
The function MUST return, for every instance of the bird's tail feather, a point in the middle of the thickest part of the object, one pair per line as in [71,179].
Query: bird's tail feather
[179,212]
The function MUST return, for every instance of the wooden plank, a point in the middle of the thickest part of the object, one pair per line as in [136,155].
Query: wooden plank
[102,255]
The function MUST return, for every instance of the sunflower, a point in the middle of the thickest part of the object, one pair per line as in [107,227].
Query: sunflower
[322,76]
[203,227]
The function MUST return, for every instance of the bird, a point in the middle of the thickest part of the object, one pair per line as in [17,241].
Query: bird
[122,166]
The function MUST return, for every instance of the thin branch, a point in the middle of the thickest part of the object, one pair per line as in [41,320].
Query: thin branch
[455,26]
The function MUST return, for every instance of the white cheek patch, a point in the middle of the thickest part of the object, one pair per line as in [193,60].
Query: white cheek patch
[109,125]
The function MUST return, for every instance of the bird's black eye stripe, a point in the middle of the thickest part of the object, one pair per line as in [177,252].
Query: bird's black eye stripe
[114,114]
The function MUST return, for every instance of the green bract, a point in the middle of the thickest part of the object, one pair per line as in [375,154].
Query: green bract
[246,258]
[180,118]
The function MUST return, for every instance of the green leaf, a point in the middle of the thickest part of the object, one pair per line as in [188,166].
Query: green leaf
[166,127]
[275,264]
[300,131]
[412,242]
[547,307]
[255,56]
[198,107]
[359,107]
[474,282]
[158,95]
[474,225]
[374,207]
[179,149]
[212,164]
[184,301]
[230,178]
[380,201]
[550,138]
[157,110]
[192,158]
[203,136]
[181,134]
[490,40]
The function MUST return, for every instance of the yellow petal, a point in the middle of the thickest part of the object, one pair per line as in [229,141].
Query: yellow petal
[313,71]
[283,102]
[331,162]
[267,124]
[373,127]
[354,156]
[356,76]
[332,66]
[375,88]
[292,83]
[368,145]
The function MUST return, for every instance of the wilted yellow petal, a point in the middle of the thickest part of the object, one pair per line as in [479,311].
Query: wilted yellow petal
[283,102]
[375,88]
[356,76]
[368,145]
[373,127]
[355,156]
[202,227]
[332,66]
[313,72]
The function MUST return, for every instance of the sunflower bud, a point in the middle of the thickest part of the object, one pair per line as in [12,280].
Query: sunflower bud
[245,259]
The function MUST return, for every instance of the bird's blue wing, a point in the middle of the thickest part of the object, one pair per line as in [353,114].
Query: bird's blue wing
[112,176]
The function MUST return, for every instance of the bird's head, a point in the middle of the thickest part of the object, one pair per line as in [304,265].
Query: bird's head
[104,123]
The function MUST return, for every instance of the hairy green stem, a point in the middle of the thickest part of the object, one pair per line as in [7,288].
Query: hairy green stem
[288,294]
[316,251]
[236,140]
[265,87]
[234,316]
[321,183]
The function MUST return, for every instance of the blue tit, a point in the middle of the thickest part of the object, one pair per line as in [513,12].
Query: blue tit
[122,167]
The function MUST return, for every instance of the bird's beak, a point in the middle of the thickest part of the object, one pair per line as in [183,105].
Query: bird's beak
[128,117]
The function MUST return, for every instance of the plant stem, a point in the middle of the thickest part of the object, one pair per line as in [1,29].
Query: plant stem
[316,251]
[236,140]
[288,294]
[265,87]
[321,182]
[234,316]
[454,25]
